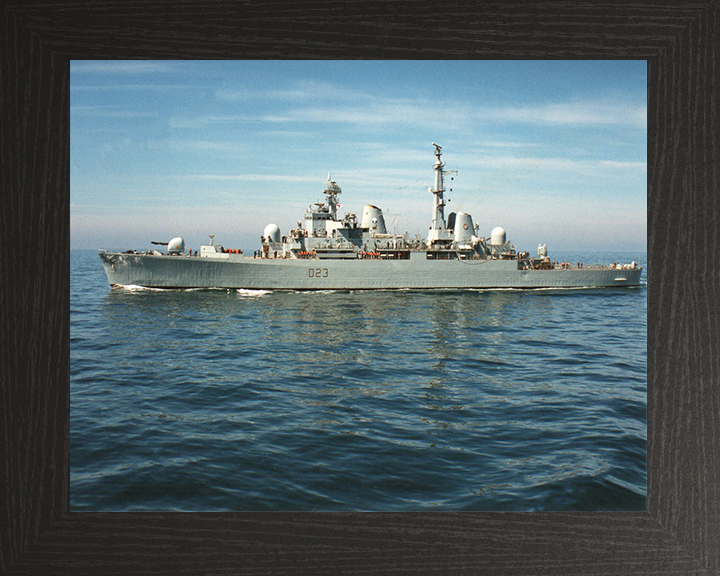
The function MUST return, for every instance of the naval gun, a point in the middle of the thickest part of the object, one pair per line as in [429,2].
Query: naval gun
[175,246]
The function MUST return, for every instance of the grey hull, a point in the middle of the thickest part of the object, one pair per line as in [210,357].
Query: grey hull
[237,271]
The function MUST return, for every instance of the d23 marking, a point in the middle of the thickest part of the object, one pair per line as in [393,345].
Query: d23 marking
[318,273]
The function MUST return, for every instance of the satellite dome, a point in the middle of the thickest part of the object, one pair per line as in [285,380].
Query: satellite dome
[272,232]
[497,236]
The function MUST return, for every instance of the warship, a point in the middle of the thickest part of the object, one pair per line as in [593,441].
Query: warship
[327,252]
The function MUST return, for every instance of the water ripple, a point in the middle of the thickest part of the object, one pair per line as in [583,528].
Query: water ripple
[356,400]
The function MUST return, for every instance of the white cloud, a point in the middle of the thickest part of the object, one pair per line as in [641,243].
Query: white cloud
[377,113]
[156,87]
[109,112]
[206,120]
[302,90]
[498,144]
[194,145]
[251,177]
[360,108]
[445,116]
[557,164]
[572,114]
[120,67]
[629,165]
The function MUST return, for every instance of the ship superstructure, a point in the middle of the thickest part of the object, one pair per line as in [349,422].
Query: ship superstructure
[322,234]
[325,251]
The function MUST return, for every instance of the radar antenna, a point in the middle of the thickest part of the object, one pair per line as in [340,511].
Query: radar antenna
[332,191]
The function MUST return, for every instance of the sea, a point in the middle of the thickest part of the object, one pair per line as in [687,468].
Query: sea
[404,400]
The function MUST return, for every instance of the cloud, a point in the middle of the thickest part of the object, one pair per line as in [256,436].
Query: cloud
[498,144]
[548,163]
[302,90]
[625,165]
[329,103]
[251,177]
[121,67]
[378,114]
[353,107]
[378,111]
[572,114]
[204,121]
[109,112]
[155,87]
[193,145]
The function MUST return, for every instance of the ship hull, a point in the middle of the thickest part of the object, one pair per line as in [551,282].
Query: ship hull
[239,272]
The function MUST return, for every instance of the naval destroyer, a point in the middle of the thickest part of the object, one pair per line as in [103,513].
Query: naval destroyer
[326,252]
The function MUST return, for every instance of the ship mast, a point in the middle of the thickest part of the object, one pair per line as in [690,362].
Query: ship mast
[332,191]
[438,229]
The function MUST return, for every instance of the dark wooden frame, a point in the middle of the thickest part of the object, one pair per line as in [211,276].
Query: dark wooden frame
[680,532]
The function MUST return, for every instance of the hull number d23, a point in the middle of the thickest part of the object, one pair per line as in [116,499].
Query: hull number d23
[318,273]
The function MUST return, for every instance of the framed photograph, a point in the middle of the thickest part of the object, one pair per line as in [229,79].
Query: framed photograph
[448,328]
[672,531]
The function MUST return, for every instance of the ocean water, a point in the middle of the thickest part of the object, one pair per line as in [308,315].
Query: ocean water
[209,400]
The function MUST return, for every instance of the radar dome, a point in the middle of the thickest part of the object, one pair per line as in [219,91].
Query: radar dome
[272,233]
[176,245]
[497,236]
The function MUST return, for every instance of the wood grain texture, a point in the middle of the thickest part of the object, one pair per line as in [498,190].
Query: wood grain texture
[681,530]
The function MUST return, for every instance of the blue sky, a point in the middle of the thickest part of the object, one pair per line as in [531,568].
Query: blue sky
[553,151]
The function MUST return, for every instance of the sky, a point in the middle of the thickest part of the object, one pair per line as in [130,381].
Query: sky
[555,152]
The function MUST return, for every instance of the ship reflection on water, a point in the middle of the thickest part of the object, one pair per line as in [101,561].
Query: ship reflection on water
[360,400]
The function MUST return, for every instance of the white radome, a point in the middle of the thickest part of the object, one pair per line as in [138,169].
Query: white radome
[272,232]
[498,236]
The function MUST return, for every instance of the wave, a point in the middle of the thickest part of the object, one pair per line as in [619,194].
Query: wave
[247,293]
[136,288]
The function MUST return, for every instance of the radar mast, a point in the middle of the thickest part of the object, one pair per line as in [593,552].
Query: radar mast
[332,191]
[438,230]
